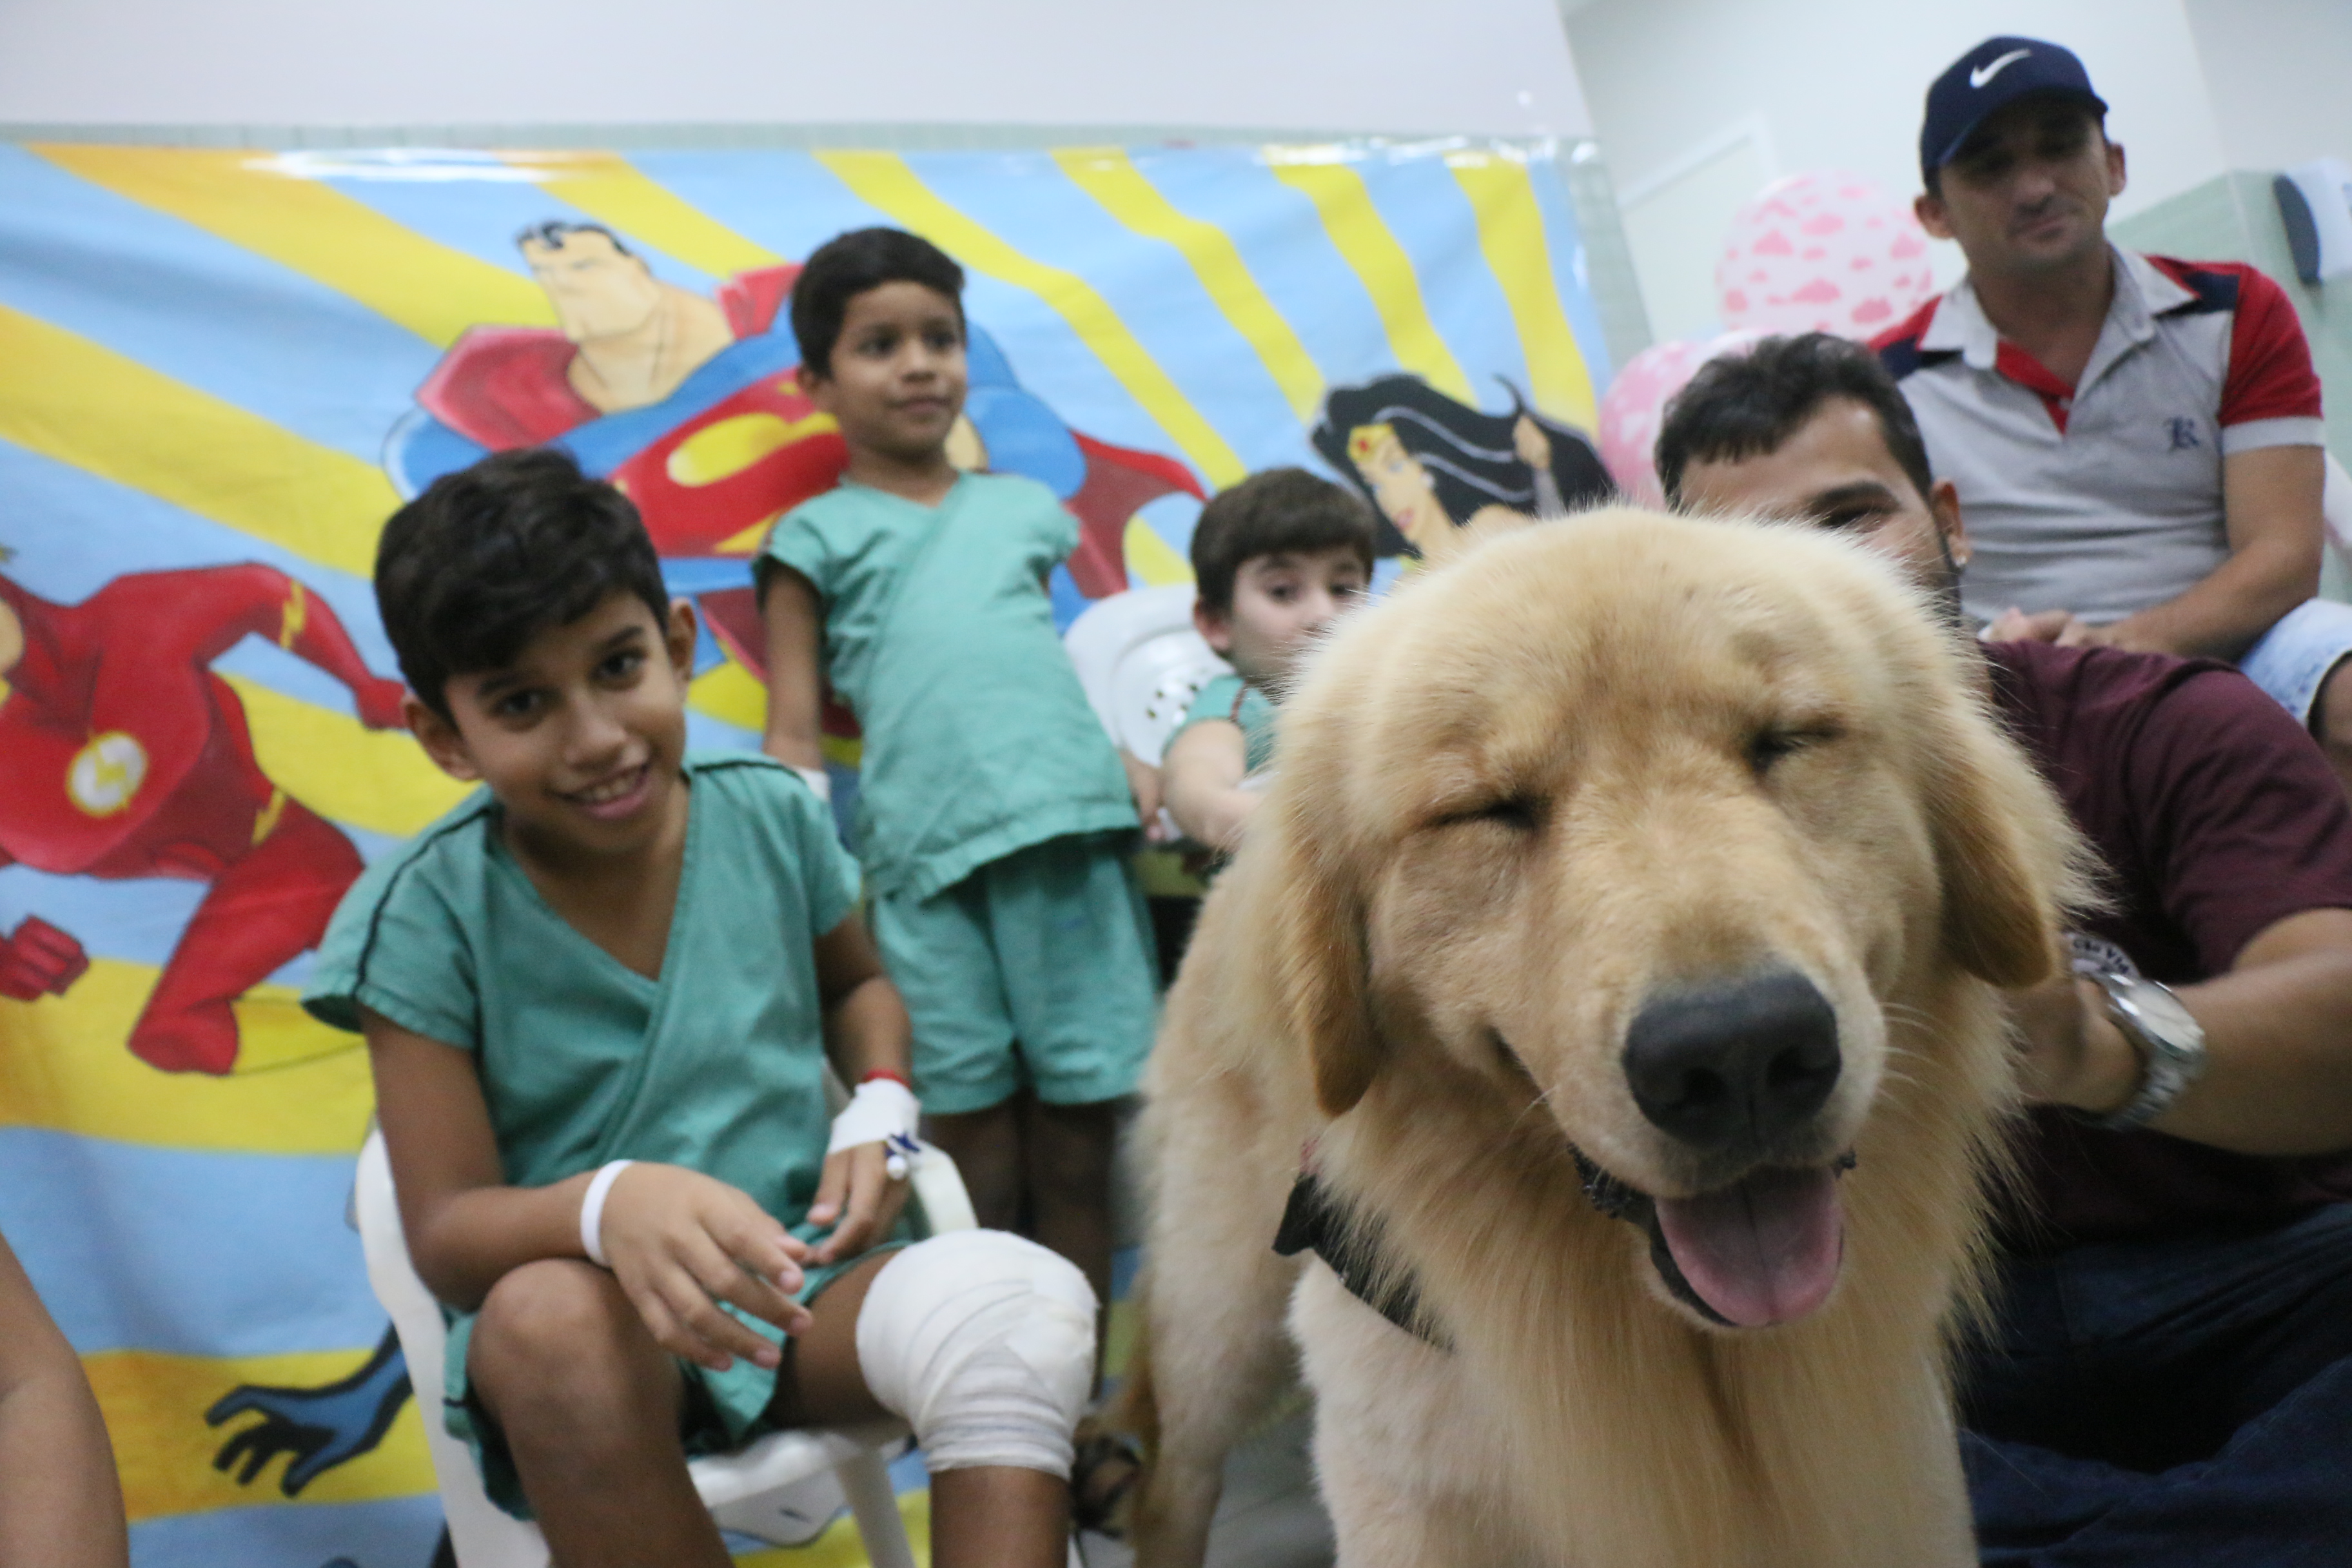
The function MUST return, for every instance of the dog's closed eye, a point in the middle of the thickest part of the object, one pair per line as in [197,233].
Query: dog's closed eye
[1521,813]
[1774,743]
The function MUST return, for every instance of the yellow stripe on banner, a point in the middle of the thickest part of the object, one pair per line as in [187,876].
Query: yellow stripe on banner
[1511,235]
[314,229]
[379,780]
[1152,558]
[730,694]
[1380,265]
[1109,176]
[611,190]
[154,1407]
[70,399]
[300,1088]
[882,180]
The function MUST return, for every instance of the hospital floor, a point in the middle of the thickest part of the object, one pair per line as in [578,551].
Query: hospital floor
[1269,1517]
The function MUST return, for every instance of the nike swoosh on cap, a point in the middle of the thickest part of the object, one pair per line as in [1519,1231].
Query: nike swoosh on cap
[1992,69]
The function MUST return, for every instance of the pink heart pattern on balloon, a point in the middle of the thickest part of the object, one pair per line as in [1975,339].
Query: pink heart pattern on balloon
[1822,252]
[1636,402]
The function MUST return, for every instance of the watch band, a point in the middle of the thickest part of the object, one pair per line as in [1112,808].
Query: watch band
[2170,1044]
[2169,1041]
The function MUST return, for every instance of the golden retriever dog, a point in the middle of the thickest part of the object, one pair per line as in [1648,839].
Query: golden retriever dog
[1618,951]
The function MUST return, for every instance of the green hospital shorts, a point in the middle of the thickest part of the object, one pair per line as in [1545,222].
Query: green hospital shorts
[1037,968]
[722,1411]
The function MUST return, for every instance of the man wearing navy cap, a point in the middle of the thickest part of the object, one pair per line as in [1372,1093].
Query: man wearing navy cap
[2135,439]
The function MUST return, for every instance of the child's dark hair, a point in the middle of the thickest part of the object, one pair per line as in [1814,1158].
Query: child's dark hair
[1277,511]
[847,266]
[490,556]
[1747,404]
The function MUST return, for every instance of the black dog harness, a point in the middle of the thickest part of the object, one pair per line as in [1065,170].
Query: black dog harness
[1315,1221]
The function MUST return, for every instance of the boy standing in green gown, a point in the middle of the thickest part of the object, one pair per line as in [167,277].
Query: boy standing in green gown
[996,820]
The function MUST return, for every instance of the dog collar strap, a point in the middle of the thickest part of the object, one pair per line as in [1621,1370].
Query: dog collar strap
[1315,1221]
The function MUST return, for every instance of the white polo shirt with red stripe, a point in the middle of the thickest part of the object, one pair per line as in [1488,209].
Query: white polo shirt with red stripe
[2105,497]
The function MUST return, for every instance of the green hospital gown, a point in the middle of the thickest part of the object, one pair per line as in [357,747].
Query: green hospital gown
[1226,698]
[718,1065]
[939,634]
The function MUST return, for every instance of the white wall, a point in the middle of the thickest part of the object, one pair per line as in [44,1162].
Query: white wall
[2281,76]
[1479,67]
[1840,84]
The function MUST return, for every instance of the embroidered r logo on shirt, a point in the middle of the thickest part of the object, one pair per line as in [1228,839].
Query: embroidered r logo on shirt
[2184,434]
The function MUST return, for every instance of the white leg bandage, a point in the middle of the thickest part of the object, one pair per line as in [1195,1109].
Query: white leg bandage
[984,1343]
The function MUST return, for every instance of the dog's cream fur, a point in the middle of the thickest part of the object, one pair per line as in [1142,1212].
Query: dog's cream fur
[1435,991]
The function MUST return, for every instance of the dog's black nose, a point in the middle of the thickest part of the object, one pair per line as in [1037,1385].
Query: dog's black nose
[1735,1063]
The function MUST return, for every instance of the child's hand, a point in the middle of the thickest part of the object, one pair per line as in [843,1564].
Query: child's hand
[872,1201]
[1143,784]
[681,1242]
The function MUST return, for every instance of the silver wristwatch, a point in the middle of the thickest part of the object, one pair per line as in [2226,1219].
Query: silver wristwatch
[2171,1042]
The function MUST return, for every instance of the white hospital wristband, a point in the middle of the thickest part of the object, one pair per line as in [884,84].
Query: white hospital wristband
[591,1212]
[817,779]
[883,1111]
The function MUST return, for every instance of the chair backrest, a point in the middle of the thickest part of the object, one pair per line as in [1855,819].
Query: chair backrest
[1141,663]
[481,1533]
[2335,506]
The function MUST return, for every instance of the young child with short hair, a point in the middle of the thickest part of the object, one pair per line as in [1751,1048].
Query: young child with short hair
[599,996]
[1277,558]
[994,820]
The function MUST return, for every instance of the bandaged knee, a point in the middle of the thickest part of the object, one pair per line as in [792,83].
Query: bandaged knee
[984,1343]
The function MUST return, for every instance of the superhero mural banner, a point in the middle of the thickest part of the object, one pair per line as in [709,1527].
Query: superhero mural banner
[225,369]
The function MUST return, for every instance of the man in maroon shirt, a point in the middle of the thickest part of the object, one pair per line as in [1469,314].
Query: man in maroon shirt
[2170,1380]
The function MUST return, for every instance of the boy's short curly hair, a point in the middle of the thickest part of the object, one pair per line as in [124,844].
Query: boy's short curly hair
[1271,512]
[488,557]
[849,264]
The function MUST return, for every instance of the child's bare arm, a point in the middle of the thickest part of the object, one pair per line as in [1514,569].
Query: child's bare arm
[794,620]
[677,1240]
[865,1030]
[1204,771]
[60,1500]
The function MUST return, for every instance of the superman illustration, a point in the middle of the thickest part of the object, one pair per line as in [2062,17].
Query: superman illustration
[125,756]
[693,406]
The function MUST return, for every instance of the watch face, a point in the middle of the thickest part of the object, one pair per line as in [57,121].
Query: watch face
[2166,1025]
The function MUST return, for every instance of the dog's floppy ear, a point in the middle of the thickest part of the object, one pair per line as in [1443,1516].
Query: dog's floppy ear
[2011,862]
[1320,966]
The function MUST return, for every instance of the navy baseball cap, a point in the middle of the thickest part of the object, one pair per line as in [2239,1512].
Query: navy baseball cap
[1997,73]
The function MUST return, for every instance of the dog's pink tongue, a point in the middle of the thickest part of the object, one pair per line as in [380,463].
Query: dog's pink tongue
[1764,1250]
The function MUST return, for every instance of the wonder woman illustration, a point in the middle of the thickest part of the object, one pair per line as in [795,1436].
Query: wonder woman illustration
[1433,467]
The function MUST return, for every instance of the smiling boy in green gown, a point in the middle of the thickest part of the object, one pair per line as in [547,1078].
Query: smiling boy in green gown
[598,997]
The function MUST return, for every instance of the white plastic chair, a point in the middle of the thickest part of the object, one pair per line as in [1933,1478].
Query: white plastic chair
[746,1492]
[2335,509]
[1141,663]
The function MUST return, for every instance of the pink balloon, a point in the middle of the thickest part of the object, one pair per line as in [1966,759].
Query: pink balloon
[1637,402]
[1815,253]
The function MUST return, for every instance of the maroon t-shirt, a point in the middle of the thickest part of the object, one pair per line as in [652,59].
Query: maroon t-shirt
[2216,816]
